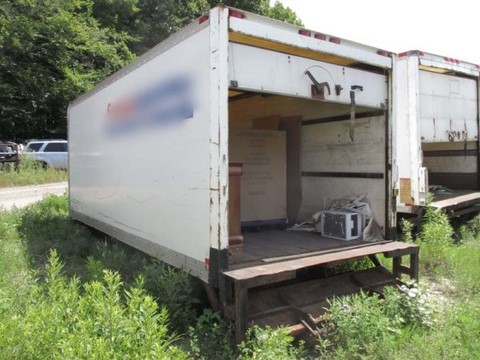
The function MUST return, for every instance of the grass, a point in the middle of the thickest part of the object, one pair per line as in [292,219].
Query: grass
[29,172]
[111,301]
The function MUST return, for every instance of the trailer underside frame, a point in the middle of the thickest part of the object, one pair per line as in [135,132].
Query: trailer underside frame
[239,285]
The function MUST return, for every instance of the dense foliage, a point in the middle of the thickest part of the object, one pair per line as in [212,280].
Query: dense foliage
[52,51]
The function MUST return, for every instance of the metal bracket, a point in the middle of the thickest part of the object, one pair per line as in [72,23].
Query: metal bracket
[338,89]
[352,109]
[318,89]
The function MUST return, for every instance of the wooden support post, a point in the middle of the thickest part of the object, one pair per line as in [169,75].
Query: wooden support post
[241,316]
[374,260]
[414,265]
[397,264]
[212,297]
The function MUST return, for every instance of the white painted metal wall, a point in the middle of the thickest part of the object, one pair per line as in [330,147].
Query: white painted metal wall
[151,177]
[273,72]
[448,108]
[328,148]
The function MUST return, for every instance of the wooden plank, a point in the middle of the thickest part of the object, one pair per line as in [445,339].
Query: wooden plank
[296,256]
[393,248]
[241,315]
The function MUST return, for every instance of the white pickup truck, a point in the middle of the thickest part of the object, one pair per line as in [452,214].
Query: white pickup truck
[51,153]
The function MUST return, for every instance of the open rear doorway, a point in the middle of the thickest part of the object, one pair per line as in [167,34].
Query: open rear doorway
[291,158]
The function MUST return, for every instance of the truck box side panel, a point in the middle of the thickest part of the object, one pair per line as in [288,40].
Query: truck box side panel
[449,129]
[448,107]
[140,154]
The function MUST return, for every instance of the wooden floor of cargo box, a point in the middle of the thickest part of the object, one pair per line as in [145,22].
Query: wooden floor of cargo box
[270,245]
[456,198]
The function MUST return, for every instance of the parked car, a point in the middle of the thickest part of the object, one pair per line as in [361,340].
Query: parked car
[8,152]
[51,153]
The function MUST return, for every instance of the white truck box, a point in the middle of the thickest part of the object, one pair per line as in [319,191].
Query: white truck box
[149,147]
[437,118]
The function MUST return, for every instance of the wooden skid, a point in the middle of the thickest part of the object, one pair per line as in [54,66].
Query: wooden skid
[241,280]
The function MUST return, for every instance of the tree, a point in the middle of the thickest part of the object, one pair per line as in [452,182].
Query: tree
[279,12]
[50,52]
[262,7]
[256,6]
[161,18]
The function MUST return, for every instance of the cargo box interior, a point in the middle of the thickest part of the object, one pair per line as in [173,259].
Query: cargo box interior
[448,114]
[291,158]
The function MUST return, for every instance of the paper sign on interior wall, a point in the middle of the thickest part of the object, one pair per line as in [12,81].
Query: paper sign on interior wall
[262,154]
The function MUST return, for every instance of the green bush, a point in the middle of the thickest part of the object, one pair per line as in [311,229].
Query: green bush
[434,240]
[470,231]
[407,230]
[59,319]
[211,338]
[173,289]
[363,326]
[268,343]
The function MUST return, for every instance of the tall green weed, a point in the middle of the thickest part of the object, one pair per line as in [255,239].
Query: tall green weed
[60,319]
[435,240]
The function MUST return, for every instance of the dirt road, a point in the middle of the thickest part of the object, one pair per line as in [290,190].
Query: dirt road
[24,195]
